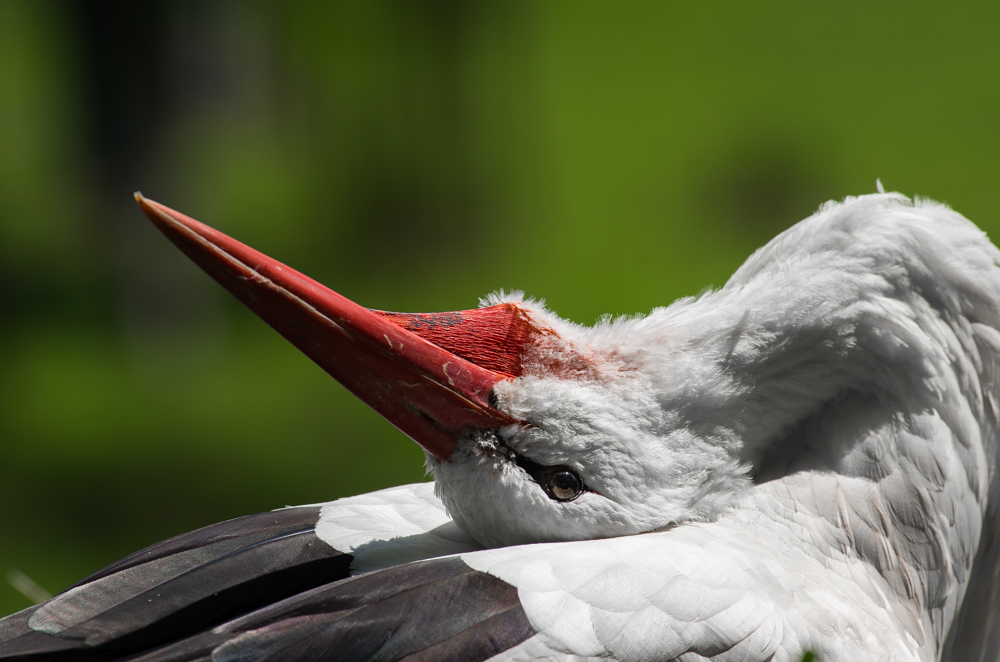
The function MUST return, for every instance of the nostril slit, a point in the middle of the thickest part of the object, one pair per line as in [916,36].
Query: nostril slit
[492,400]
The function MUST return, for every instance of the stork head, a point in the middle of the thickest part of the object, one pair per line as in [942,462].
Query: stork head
[613,436]
[536,429]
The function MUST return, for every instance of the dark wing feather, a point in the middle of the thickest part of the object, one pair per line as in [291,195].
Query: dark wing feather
[229,535]
[177,588]
[439,609]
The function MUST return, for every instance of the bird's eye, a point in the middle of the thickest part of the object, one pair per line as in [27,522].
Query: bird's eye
[562,484]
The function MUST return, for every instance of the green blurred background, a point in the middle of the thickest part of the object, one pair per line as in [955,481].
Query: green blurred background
[608,157]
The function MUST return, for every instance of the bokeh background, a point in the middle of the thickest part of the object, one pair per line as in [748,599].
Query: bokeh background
[414,155]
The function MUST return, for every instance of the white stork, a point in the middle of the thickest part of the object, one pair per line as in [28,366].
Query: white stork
[803,460]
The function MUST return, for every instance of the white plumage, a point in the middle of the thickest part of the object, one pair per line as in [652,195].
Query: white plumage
[802,460]
[816,440]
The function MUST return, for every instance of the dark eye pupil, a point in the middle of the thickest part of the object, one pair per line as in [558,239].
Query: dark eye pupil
[564,484]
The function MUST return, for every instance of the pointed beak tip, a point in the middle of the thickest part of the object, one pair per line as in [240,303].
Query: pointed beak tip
[148,207]
[163,217]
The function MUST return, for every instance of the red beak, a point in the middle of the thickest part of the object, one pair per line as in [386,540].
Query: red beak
[429,375]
